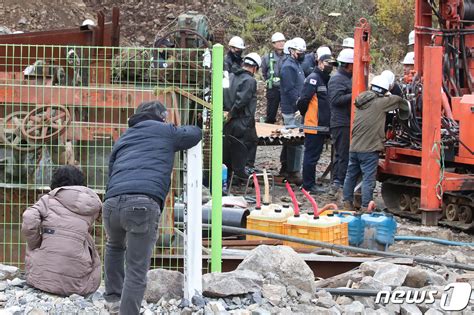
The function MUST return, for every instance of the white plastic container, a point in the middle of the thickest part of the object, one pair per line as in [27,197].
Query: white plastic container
[301,220]
[287,210]
[324,221]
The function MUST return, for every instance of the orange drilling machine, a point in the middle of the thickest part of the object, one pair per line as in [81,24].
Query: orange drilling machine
[427,168]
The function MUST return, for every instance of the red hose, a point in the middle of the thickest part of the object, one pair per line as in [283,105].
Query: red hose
[257,190]
[293,199]
[313,202]
[329,206]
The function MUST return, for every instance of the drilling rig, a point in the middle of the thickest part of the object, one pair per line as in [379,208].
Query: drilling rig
[427,167]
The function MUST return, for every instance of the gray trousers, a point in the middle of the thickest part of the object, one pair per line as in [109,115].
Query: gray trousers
[291,155]
[131,224]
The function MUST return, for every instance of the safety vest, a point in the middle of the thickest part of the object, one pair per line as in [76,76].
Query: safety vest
[272,80]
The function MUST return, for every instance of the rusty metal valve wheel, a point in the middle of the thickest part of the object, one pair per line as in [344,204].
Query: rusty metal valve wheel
[405,202]
[45,123]
[415,205]
[11,133]
[452,211]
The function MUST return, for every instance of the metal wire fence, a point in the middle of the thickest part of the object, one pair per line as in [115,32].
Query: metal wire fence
[68,105]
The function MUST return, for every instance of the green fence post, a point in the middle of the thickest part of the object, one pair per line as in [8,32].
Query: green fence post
[217,117]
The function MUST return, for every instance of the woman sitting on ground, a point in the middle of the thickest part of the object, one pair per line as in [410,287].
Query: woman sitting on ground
[61,257]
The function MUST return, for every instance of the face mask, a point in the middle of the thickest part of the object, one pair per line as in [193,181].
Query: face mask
[328,69]
[238,53]
[300,57]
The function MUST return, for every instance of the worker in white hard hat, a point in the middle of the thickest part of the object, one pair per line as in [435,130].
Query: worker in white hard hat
[291,84]
[340,96]
[368,138]
[271,68]
[310,61]
[348,43]
[240,145]
[411,39]
[394,87]
[408,63]
[88,22]
[313,104]
[286,50]
[233,58]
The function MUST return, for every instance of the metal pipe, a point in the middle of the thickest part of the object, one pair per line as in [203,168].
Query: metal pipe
[352,249]
[328,252]
[350,292]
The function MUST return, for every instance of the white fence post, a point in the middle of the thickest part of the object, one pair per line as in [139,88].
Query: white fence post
[193,222]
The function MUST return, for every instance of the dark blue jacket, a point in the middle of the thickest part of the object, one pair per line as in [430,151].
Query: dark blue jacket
[308,64]
[142,159]
[340,97]
[315,93]
[292,80]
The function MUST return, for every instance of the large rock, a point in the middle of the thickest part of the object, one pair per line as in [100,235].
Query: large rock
[372,284]
[236,282]
[282,262]
[274,293]
[355,308]
[393,275]
[165,284]
[409,309]
[8,272]
[418,278]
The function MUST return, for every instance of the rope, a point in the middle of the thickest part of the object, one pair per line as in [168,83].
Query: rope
[439,147]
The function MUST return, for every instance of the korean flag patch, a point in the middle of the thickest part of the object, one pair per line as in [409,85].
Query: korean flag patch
[312,81]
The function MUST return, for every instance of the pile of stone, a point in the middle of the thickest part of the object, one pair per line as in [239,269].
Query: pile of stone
[271,280]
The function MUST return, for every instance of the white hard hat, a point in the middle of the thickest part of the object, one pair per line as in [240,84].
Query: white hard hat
[378,83]
[286,46]
[389,76]
[298,43]
[253,59]
[348,43]
[278,37]
[323,50]
[411,38]
[409,58]
[237,42]
[88,22]
[346,55]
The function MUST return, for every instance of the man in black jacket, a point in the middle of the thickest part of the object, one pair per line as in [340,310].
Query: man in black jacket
[233,58]
[240,145]
[340,98]
[313,104]
[140,169]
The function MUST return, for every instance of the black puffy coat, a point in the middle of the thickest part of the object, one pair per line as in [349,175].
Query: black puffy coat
[142,159]
[242,98]
[340,98]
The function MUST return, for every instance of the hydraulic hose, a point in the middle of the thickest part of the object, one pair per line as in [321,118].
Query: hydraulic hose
[313,202]
[423,260]
[430,239]
[293,198]
[257,190]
